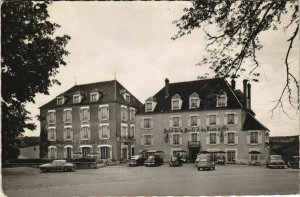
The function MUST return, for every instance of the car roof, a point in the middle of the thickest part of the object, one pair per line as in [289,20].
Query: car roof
[60,160]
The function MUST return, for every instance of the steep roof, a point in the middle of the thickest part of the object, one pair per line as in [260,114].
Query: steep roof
[112,92]
[207,89]
[252,123]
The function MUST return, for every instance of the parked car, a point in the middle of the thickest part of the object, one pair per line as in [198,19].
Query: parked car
[136,160]
[154,160]
[57,165]
[275,161]
[204,162]
[294,163]
[175,161]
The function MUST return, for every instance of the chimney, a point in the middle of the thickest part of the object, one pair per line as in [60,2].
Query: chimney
[245,91]
[249,95]
[166,88]
[233,84]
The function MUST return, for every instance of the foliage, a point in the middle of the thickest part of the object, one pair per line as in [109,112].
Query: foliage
[232,48]
[29,141]
[30,58]
[287,146]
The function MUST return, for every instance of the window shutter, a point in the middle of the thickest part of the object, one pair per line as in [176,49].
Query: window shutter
[207,120]
[180,139]
[248,137]
[55,134]
[151,123]
[152,140]
[55,152]
[171,122]
[142,123]
[218,119]
[107,112]
[110,152]
[171,139]
[89,132]
[225,138]
[71,115]
[72,135]
[108,132]
[180,122]
[99,113]
[81,133]
[198,121]
[48,134]
[235,118]
[236,139]
[259,137]
[225,119]
[126,131]
[153,105]
[65,152]
[48,118]
[54,117]
[142,140]
[180,103]
[218,138]
[198,103]
[207,138]
[88,111]
[198,137]
[100,132]
[189,121]
[190,137]
[64,116]
[65,134]
[81,116]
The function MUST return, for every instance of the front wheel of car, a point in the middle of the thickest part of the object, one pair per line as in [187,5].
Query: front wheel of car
[43,170]
[199,169]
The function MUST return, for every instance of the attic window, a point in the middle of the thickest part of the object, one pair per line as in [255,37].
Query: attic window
[94,96]
[150,104]
[76,98]
[222,100]
[126,97]
[194,101]
[60,100]
[176,102]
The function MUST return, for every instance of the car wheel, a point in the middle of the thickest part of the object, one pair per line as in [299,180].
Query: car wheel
[199,169]
[43,170]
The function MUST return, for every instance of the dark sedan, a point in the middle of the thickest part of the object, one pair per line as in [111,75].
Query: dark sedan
[154,160]
[175,161]
[57,165]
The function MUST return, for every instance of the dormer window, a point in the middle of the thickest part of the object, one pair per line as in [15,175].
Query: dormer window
[126,97]
[77,98]
[150,104]
[94,96]
[194,101]
[60,100]
[176,102]
[222,100]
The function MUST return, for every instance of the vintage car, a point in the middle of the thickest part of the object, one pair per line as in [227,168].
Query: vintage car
[175,161]
[136,160]
[57,165]
[204,162]
[294,163]
[275,161]
[154,160]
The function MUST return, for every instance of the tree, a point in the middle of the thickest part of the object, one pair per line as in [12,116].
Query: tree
[232,48]
[30,58]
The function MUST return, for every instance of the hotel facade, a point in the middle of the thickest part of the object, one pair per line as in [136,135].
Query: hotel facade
[90,120]
[204,115]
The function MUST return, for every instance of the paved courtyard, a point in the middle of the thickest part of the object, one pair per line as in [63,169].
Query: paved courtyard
[149,181]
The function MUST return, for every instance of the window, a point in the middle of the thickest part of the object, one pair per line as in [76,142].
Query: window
[176,139]
[147,123]
[68,152]
[84,114]
[94,96]
[132,151]
[67,116]
[124,113]
[51,117]
[222,101]
[68,133]
[213,156]
[212,138]
[147,140]
[86,151]
[254,157]
[51,134]
[148,106]
[194,137]
[194,103]
[132,114]
[124,130]
[175,121]
[175,104]
[254,137]
[230,118]
[127,97]
[103,112]
[52,152]
[194,121]
[212,119]
[132,131]
[231,155]
[76,98]
[231,137]
[104,152]
[103,131]
[85,132]
[60,101]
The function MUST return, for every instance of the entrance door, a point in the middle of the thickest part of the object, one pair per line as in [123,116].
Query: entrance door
[124,153]
[193,154]
[69,152]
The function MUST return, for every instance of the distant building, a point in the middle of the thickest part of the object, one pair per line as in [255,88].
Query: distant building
[90,120]
[203,115]
[30,152]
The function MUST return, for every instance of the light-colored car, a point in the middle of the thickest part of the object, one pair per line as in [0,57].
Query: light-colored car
[57,165]
[205,164]
[275,161]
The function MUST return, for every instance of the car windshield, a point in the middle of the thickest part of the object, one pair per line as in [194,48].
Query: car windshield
[203,160]
[174,159]
[58,162]
[275,157]
[150,158]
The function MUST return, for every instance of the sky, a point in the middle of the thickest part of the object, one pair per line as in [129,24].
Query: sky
[132,42]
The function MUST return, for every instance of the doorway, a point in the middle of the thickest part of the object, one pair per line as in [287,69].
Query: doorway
[193,154]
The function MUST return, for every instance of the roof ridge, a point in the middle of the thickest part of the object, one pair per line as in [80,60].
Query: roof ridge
[95,83]
[197,80]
